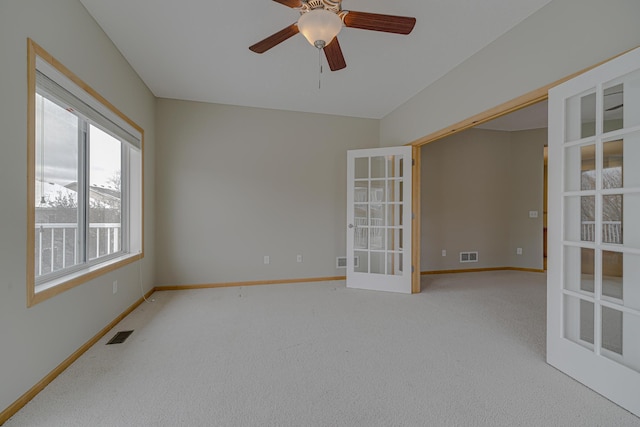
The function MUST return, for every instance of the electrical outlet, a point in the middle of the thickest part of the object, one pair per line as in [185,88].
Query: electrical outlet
[519,251]
[266,259]
[299,258]
[115,286]
[444,252]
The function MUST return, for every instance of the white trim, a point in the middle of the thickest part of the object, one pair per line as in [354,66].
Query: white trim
[86,269]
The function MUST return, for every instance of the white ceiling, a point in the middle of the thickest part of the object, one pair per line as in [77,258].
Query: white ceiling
[198,50]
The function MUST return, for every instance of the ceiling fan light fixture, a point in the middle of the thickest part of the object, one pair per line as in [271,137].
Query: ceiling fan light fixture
[319,26]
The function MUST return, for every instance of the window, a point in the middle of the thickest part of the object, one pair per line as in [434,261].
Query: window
[84,181]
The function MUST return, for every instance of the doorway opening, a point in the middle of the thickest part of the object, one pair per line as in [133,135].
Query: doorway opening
[528,99]
[482,190]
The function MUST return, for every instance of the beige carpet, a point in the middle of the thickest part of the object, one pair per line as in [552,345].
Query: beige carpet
[468,351]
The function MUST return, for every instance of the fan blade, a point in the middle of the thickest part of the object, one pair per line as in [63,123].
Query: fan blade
[377,22]
[275,39]
[334,55]
[290,3]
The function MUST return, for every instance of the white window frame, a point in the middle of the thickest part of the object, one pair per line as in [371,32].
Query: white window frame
[48,76]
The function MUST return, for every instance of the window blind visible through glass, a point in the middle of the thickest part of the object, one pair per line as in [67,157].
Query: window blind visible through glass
[79,100]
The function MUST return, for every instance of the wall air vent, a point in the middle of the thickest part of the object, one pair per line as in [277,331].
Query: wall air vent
[341,262]
[120,337]
[468,256]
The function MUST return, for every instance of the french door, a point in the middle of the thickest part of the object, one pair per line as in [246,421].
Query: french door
[379,219]
[593,289]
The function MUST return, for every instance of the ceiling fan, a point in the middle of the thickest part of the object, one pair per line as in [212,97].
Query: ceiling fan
[320,22]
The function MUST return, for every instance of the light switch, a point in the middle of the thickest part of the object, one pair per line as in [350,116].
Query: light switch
[533,214]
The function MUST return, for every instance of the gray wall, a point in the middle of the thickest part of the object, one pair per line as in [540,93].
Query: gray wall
[35,340]
[526,179]
[240,183]
[563,37]
[478,187]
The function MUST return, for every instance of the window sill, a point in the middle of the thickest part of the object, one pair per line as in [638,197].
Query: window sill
[57,286]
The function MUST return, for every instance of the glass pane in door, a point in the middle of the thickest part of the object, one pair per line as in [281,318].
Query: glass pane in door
[584,208]
[361,237]
[580,167]
[572,229]
[361,192]
[579,269]
[612,330]
[618,341]
[613,108]
[361,208]
[361,214]
[377,192]
[587,218]
[620,162]
[581,116]
[376,238]
[588,167]
[377,263]
[612,219]
[394,239]
[621,100]
[578,321]
[361,259]
[378,167]
[612,274]
[394,263]
[619,274]
[395,166]
[377,215]
[612,162]
[394,214]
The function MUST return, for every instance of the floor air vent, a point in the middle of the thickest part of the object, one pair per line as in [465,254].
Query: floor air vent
[468,256]
[341,262]
[120,337]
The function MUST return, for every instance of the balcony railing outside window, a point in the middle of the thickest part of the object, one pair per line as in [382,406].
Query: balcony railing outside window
[611,232]
[57,244]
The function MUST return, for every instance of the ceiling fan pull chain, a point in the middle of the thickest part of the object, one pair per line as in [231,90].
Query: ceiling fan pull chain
[319,67]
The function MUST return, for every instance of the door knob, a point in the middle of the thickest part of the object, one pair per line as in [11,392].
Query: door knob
[350,225]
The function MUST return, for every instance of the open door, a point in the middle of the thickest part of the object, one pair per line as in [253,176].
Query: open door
[593,289]
[379,219]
